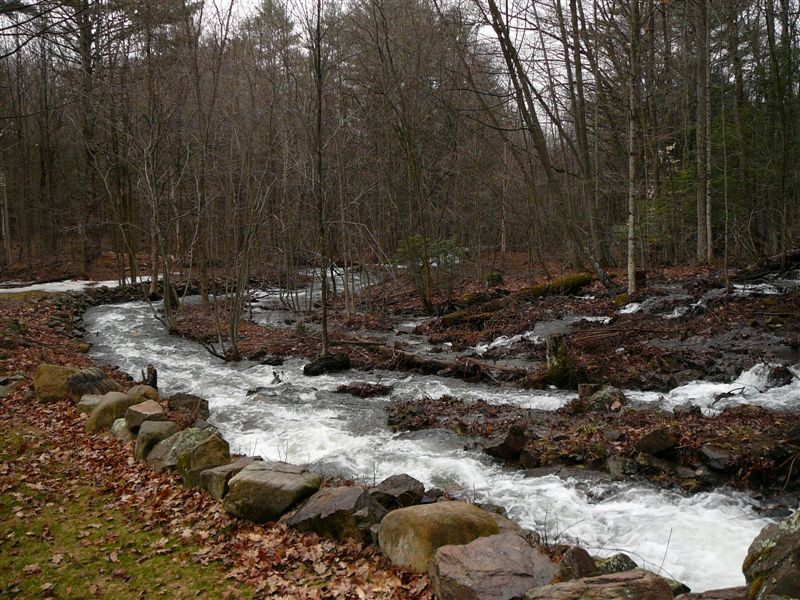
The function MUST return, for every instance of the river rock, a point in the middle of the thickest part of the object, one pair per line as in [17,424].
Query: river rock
[339,513]
[211,452]
[737,593]
[265,490]
[715,456]
[620,466]
[627,585]
[165,453]
[50,381]
[145,392]
[687,409]
[112,406]
[149,410]
[190,405]
[88,403]
[616,563]
[398,491]
[150,433]
[120,430]
[656,440]
[576,563]
[608,398]
[90,381]
[507,445]
[329,363]
[410,536]
[215,480]
[772,566]
[495,567]
[779,376]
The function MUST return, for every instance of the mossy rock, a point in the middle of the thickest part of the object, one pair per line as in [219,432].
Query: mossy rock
[112,406]
[50,382]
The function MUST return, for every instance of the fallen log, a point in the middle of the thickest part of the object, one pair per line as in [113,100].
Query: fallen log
[771,264]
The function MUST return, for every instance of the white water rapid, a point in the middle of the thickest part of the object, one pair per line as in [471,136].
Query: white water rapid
[700,540]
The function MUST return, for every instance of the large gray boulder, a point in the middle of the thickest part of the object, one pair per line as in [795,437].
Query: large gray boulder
[265,490]
[772,566]
[165,454]
[496,567]
[410,536]
[215,480]
[150,433]
[398,491]
[339,513]
[88,403]
[112,406]
[120,430]
[211,452]
[90,381]
[149,410]
[628,585]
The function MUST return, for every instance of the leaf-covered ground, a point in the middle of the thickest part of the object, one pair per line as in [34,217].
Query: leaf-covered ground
[80,518]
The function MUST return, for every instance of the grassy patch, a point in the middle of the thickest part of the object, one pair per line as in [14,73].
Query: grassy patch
[59,537]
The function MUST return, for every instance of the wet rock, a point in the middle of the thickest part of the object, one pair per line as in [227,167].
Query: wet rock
[90,381]
[587,390]
[398,491]
[530,458]
[112,406]
[272,361]
[265,490]
[339,513]
[779,377]
[687,409]
[150,434]
[164,455]
[576,563]
[737,593]
[50,382]
[654,462]
[410,536]
[495,509]
[496,567]
[215,480]
[329,363]
[149,410]
[621,466]
[608,398]
[683,377]
[616,563]
[190,405]
[507,445]
[715,456]
[656,441]
[211,452]
[364,389]
[772,565]
[120,430]
[145,392]
[615,586]
[88,403]
[677,587]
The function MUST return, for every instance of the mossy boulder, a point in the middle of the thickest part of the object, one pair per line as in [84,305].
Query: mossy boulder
[112,406]
[410,536]
[144,392]
[211,452]
[150,433]
[772,565]
[164,455]
[119,429]
[50,382]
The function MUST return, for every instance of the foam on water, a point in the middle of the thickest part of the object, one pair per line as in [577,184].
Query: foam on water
[700,539]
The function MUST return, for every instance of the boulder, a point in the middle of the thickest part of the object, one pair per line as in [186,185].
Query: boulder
[715,456]
[190,405]
[50,382]
[737,593]
[608,398]
[215,480]
[576,563]
[620,466]
[772,566]
[329,363]
[211,452]
[398,491]
[150,433]
[615,586]
[339,513]
[90,381]
[164,455]
[495,567]
[149,410]
[265,490]
[656,440]
[507,445]
[410,536]
[88,403]
[120,429]
[779,376]
[112,406]
[616,563]
[145,392]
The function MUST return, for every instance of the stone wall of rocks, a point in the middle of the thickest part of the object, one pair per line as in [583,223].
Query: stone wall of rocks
[469,551]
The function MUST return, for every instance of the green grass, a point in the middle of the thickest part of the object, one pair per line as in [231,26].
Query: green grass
[65,541]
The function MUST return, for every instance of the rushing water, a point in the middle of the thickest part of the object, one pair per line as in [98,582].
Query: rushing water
[701,539]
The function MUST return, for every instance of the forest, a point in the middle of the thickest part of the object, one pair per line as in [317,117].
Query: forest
[454,299]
